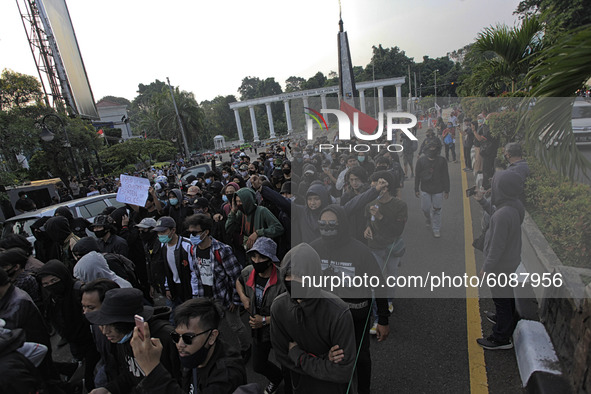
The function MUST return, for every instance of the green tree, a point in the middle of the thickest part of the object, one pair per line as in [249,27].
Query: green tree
[117,100]
[558,16]
[563,68]
[136,152]
[294,84]
[514,50]
[219,118]
[18,90]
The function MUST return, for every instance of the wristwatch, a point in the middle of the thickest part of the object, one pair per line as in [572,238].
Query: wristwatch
[264,320]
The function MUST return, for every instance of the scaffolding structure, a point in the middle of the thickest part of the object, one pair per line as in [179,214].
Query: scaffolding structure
[45,54]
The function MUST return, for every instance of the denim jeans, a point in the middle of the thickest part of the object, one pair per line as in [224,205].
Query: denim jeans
[235,322]
[431,206]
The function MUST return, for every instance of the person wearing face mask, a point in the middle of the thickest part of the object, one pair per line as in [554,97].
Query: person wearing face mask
[366,162]
[432,185]
[13,261]
[151,246]
[250,219]
[340,253]
[58,230]
[209,364]
[308,325]
[288,174]
[115,319]
[257,287]
[215,271]
[176,210]
[173,264]
[62,296]
[109,242]
[243,171]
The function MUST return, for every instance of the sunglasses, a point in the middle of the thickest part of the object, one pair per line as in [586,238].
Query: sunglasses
[187,338]
[194,233]
[327,223]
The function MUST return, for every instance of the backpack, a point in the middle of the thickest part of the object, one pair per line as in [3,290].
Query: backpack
[122,267]
[448,139]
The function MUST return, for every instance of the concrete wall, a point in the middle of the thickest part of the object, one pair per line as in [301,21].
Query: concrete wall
[565,311]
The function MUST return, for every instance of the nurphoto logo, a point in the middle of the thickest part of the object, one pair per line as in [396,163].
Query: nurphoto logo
[345,129]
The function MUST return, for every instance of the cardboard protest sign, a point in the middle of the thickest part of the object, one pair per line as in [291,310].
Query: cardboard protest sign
[133,190]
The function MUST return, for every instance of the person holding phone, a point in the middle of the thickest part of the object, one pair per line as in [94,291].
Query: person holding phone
[209,364]
[116,320]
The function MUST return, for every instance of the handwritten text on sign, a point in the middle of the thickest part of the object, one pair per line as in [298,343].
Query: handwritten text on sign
[133,190]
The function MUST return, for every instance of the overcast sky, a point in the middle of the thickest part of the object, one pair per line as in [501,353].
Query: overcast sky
[209,47]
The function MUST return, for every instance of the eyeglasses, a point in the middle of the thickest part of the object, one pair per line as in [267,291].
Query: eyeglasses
[194,233]
[187,338]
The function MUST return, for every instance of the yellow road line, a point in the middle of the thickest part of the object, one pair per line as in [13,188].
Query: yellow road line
[478,379]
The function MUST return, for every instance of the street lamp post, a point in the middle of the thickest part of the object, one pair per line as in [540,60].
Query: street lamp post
[47,136]
[436,87]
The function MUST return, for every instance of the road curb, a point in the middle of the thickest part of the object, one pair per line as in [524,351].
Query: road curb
[538,363]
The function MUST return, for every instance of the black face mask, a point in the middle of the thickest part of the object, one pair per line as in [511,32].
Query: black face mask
[147,237]
[57,289]
[432,154]
[101,233]
[251,172]
[286,171]
[196,358]
[290,285]
[261,267]
[381,168]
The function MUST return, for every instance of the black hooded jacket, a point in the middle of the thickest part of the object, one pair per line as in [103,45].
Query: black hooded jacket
[502,244]
[345,254]
[316,324]
[77,225]
[65,310]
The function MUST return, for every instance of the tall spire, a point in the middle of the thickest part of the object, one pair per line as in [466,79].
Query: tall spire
[346,80]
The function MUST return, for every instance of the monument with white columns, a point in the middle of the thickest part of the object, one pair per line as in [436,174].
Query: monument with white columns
[346,90]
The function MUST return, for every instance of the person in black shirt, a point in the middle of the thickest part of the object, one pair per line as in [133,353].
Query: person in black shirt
[24,203]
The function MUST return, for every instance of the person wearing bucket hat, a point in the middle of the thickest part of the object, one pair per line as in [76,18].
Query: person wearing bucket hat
[116,321]
[257,287]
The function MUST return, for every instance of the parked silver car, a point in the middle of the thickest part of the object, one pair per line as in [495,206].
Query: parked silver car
[87,208]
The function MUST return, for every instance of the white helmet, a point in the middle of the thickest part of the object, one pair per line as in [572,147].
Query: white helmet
[161,179]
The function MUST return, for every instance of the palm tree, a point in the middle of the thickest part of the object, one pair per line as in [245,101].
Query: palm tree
[562,69]
[514,49]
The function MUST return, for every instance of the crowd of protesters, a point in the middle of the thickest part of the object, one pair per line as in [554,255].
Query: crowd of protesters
[233,241]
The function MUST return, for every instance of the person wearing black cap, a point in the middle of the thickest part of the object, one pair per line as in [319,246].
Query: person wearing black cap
[65,313]
[257,287]
[116,321]
[109,242]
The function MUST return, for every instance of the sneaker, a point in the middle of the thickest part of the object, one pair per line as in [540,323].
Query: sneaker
[436,233]
[428,222]
[491,317]
[467,170]
[491,344]
[271,388]
[374,329]
[390,307]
